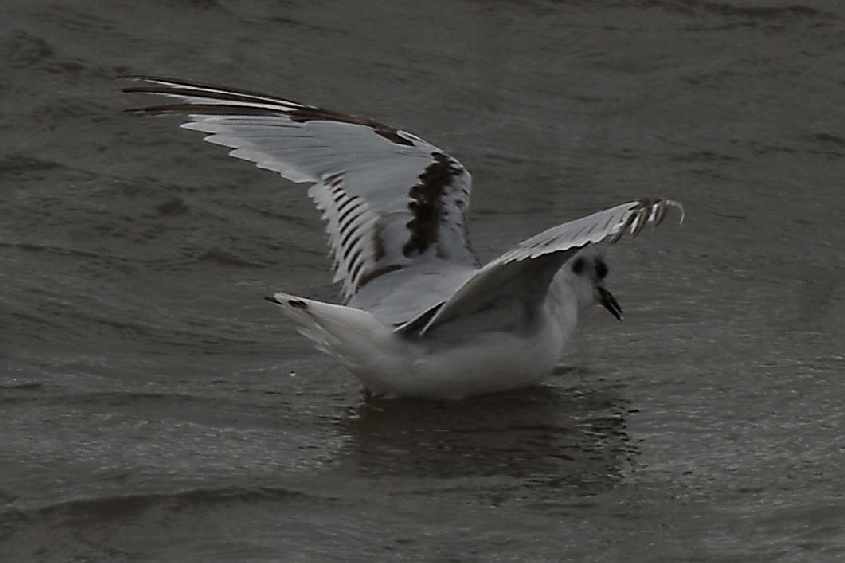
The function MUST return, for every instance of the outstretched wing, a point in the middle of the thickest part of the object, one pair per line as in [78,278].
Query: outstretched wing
[389,198]
[530,266]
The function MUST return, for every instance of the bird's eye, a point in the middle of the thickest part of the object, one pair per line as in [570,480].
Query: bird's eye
[601,269]
[578,266]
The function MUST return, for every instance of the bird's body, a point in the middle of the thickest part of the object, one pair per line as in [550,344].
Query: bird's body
[422,317]
[478,354]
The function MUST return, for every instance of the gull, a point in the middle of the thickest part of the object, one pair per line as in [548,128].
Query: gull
[421,316]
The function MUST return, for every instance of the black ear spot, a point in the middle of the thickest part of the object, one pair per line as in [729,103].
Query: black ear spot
[578,266]
[601,269]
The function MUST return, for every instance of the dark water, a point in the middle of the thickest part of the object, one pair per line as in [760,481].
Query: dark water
[154,408]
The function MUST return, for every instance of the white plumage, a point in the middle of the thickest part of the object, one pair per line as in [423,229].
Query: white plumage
[421,316]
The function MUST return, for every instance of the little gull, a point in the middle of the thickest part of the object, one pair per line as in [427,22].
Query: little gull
[422,317]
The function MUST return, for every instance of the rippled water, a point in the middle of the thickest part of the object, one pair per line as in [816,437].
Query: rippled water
[155,408]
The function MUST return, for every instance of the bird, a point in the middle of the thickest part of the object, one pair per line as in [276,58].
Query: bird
[420,315]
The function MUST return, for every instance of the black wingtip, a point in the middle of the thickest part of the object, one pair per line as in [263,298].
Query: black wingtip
[272,299]
[137,90]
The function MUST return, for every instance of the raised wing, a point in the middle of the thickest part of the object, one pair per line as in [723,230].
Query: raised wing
[389,198]
[530,266]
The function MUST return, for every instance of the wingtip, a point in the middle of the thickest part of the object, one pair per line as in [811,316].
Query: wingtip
[139,83]
[272,299]
[145,78]
[677,205]
[659,209]
[136,90]
[147,84]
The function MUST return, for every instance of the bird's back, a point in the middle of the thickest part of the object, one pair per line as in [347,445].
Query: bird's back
[400,296]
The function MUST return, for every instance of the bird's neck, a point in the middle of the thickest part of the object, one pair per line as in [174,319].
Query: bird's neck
[563,304]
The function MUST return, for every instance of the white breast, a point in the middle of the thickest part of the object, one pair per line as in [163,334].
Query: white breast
[484,362]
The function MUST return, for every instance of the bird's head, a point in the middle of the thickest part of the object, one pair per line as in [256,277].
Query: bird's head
[587,275]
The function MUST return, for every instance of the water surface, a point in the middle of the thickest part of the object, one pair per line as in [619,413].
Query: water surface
[155,408]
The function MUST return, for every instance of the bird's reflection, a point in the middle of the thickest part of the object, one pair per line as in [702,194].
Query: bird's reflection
[543,436]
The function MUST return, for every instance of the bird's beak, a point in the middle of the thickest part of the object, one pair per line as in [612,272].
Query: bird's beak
[610,303]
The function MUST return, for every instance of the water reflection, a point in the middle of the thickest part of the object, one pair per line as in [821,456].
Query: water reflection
[549,435]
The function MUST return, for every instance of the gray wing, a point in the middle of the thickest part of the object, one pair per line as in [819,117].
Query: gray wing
[389,199]
[530,266]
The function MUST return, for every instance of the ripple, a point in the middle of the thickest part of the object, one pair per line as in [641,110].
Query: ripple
[108,508]
[23,50]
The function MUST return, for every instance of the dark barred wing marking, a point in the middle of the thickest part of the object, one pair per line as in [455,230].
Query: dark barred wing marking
[389,198]
[349,221]
[437,203]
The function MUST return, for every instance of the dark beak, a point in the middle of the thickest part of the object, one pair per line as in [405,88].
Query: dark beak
[610,303]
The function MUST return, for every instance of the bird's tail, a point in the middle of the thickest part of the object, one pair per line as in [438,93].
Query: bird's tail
[351,335]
